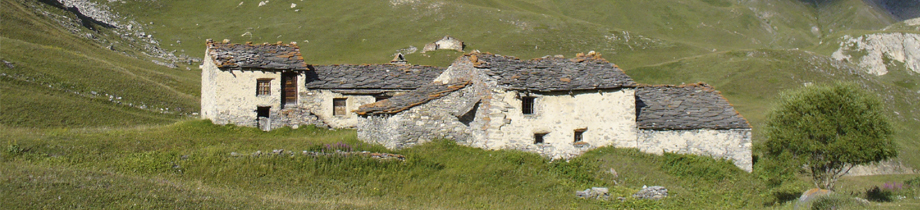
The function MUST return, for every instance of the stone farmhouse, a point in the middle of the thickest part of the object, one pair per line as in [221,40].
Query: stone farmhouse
[555,106]
[270,86]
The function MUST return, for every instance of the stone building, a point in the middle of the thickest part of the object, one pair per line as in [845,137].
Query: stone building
[270,86]
[692,119]
[553,106]
[446,43]
[559,108]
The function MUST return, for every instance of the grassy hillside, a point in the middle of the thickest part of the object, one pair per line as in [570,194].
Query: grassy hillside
[60,80]
[85,126]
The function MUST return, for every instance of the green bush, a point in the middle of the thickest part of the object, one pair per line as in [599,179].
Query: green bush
[879,195]
[836,202]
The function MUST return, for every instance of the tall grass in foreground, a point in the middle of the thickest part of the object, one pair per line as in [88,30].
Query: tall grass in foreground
[190,165]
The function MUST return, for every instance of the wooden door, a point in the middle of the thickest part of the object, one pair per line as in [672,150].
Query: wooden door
[289,86]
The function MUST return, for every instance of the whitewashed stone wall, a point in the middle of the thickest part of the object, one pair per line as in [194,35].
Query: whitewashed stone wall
[606,116]
[229,97]
[734,145]
[319,102]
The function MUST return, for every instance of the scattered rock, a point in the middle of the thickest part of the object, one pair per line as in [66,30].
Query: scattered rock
[257,153]
[168,65]
[184,157]
[234,154]
[277,151]
[600,193]
[8,64]
[653,193]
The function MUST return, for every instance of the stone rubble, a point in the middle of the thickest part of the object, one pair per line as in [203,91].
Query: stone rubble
[599,193]
[652,193]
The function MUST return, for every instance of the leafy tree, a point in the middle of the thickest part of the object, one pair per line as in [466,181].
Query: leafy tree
[828,129]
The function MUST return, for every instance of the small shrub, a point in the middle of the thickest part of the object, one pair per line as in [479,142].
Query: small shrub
[915,182]
[836,202]
[14,149]
[878,194]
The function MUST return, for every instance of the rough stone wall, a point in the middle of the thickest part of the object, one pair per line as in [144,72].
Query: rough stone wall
[433,120]
[734,145]
[607,118]
[607,115]
[319,102]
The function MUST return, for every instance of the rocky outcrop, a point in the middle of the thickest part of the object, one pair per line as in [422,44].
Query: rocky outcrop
[877,52]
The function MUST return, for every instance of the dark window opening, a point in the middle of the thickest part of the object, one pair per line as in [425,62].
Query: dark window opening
[538,138]
[338,106]
[469,116]
[263,111]
[527,104]
[263,87]
[580,135]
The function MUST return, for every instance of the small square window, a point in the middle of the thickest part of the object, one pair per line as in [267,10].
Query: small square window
[527,104]
[580,135]
[538,138]
[338,106]
[263,87]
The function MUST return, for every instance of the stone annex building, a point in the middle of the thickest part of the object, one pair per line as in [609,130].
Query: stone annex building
[555,106]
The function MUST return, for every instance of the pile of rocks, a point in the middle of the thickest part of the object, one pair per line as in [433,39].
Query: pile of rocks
[653,193]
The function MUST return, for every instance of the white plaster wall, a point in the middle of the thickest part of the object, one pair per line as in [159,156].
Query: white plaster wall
[607,115]
[320,103]
[229,97]
[732,145]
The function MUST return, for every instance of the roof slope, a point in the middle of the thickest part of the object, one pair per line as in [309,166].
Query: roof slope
[411,99]
[685,107]
[553,73]
[276,56]
[377,76]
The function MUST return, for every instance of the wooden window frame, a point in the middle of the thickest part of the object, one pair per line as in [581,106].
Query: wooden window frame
[335,107]
[528,105]
[263,87]
[579,135]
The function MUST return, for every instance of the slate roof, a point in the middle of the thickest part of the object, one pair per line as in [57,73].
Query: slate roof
[411,99]
[276,56]
[377,76]
[553,73]
[686,107]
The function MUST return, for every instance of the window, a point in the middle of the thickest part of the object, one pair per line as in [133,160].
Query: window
[580,134]
[527,104]
[263,87]
[538,138]
[263,111]
[338,106]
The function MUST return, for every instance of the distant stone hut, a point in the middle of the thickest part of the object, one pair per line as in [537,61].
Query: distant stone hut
[270,86]
[446,43]
[692,119]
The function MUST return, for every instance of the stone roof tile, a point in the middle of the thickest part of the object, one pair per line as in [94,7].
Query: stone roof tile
[411,99]
[686,107]
[264,56]
[377,76]
[552,73]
